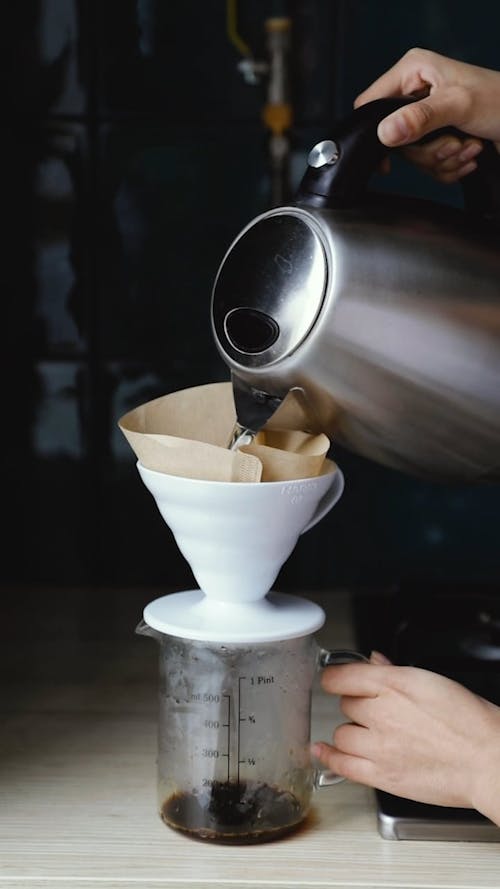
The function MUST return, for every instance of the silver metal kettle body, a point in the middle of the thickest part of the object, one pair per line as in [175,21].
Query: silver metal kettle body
[382,312]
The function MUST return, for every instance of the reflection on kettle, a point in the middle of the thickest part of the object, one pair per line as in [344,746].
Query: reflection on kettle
[382,311]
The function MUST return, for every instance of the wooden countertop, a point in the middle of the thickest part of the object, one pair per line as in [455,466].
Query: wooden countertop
[78,783]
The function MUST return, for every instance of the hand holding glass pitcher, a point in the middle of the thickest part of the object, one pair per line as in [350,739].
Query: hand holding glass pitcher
[415,734]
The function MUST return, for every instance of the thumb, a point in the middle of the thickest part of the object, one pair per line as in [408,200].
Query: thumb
[411,122]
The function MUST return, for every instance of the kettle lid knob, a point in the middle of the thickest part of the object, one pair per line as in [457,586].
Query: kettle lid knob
[323,153]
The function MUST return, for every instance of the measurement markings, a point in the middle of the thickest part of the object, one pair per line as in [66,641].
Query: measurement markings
[240,720]
[228,726]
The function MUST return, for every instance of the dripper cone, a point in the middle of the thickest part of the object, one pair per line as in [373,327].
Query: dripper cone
[237,536]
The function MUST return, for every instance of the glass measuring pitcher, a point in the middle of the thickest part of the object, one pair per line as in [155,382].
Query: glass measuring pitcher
[234,763]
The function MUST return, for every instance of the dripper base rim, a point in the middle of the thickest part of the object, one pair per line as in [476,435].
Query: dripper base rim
[192,615]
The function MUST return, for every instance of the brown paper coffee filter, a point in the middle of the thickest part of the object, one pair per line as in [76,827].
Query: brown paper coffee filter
[287,454]
[294,413]
[187,432]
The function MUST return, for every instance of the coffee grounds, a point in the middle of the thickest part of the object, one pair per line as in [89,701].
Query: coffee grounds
[227,812]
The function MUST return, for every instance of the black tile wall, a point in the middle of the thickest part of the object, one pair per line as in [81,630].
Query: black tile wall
[135,152]
[171,200]
[159,58]
[45,50]
[60,245]
[58,546]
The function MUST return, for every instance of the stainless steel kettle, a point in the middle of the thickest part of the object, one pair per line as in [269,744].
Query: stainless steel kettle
[381,311]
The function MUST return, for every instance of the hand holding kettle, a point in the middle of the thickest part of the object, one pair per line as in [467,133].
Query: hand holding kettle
[453,94]
[381,312]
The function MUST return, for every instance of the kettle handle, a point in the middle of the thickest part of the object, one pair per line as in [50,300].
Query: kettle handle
[355,152]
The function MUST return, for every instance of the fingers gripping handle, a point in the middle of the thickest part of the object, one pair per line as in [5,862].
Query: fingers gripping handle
[339,169]
[344,176]
[481,188]
[340,656]
[325,777]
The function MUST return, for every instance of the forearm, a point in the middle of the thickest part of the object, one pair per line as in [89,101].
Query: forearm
[486,790]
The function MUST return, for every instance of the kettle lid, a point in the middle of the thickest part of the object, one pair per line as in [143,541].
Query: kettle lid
[270,288]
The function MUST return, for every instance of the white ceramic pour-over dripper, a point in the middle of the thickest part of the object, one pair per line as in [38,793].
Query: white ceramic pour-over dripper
[236,536]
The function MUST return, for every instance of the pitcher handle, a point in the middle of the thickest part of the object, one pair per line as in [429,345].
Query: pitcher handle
[328,500]
[325,777]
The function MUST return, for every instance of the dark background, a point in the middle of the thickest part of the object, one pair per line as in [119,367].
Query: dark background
[134,153]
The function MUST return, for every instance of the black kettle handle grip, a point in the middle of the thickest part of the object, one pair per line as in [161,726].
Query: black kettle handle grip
[343,178]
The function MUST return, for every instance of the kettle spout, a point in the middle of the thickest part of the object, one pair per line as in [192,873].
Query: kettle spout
[253,406]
